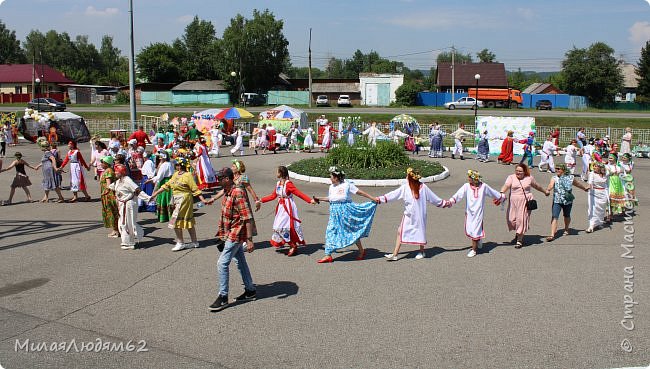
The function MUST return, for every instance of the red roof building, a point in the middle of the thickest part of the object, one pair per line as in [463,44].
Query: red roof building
[16,82]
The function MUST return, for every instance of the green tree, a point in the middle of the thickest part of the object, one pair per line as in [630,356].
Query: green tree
[10,50]
[445,57]
[303,72]
[200,46]
[113,63]
[256,48]
[486,56]
[335,68]
[406,94]
[594,73]
[160,62]
[643,71]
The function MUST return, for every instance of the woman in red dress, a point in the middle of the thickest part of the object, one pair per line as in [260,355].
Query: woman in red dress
[507,150]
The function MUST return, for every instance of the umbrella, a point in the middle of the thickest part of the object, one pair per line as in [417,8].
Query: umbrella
[404,119]
[287,114]
[233,113]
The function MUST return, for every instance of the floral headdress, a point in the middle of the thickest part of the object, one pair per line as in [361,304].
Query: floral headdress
[336,171]
[43,143]
[474,175]
[413,173]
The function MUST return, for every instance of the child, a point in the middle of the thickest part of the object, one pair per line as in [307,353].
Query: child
[475,192]
[21,179]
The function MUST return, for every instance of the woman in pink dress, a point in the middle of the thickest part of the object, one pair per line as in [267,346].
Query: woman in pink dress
[518,189]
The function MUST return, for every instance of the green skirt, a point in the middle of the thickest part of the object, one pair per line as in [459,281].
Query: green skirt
[163,201]
[616,195]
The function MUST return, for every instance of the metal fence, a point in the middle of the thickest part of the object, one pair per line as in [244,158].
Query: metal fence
[104,126]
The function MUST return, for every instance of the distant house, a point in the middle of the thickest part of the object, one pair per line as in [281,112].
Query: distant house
[379,89]
[331,87]
[493,75]
[151,93]
[91,94]
[204,92]
[16,82]
[542,88]
[630,83]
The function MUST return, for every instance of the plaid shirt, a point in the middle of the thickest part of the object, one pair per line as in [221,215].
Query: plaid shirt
[234,214]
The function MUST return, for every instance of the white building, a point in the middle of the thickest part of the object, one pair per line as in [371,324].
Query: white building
[379,89]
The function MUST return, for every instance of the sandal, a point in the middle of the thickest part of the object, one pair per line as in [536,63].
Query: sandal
[60,201]
[565,233]
[550,238]
[519,245]
[72,200]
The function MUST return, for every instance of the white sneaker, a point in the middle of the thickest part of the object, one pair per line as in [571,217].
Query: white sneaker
[589,230]
[480,244]
[419,256]
[179,246]
[127,247]
[390,257]
[471,254]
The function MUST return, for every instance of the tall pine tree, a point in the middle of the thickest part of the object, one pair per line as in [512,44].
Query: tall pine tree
[643,71]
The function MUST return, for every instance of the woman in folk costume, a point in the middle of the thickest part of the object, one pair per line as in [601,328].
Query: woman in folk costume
[626,141]
[328,138]
[598,197]
[146,186]
[159,146]
[77,180]
[204,170]
[183,191]
[507,149]
[271,134]
[51,179]
[459,136]
[286,226]
[483,148]
[348,222]
[587,151]
[126,193]
[413,227]
[215,138]
[436,135]
[109,203]
[308,143]
[261,141]
[627,165]
[616,190]
[547,153]
[351,132]
[164,206]
[475,192]
[571,154]
[373,133]
[239,142]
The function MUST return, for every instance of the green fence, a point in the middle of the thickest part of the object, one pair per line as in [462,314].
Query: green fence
[288,98]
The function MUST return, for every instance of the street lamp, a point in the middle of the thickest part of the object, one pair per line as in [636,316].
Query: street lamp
[234,74]
[38,100]
[476,77]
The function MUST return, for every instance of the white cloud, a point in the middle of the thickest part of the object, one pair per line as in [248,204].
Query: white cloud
[439,20]
[108,12]
[640,32]
[2,1]
[185,18]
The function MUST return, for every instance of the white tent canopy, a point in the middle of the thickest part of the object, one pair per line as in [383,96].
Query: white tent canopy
[270,114]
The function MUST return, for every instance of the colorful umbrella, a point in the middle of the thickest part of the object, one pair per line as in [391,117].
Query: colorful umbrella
[287,114]
[404,118]
[233,113]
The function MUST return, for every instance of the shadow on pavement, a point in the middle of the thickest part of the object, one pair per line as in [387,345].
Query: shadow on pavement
[51,230]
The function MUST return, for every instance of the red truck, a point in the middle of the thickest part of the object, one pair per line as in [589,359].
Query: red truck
[497,97]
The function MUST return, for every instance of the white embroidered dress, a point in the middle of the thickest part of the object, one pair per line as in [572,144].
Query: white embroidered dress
[474,206]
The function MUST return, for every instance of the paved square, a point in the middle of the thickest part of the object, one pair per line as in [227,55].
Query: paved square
[547,305]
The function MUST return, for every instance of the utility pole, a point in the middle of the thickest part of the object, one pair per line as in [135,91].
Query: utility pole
[310,94]
[34,73]
[453,73]
[132,70]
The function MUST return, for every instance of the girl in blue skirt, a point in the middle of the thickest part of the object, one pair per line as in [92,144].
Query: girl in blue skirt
[348,221]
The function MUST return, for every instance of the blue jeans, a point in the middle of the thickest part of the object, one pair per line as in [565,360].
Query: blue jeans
[232,250]
[565,209]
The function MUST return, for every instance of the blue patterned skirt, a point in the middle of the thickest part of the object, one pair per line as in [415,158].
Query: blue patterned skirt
[348,223]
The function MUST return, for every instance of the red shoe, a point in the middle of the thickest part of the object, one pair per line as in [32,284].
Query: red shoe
[293,251]
[326,259]
[361,255]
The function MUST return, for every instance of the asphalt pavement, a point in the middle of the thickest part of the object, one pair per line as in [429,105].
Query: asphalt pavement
[65,286]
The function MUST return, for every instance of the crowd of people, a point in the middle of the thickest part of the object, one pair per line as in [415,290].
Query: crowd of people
[166,180]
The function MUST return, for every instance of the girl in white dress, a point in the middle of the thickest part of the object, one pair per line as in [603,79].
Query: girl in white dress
[587,151]
[570,156]
[126,193]
[547,153]
[598,197]
[475,192]
[239,142]
[413,227]
[308,144]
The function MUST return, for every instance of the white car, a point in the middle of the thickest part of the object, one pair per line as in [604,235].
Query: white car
[321,100]
[344,100]
[464,103]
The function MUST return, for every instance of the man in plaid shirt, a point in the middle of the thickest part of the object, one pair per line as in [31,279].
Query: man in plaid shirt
[235,229]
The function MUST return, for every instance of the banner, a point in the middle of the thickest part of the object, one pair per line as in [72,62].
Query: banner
[497,129]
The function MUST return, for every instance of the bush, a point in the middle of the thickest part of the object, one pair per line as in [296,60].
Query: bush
[407,93]
[361,161]
[122,98]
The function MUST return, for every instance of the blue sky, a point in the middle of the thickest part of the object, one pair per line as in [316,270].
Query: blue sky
[531,35]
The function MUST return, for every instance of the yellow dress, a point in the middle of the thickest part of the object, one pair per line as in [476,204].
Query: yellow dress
[184,189]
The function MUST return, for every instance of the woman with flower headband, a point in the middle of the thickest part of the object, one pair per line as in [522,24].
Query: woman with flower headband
[616,190]
[598,197]
[126,194]
[77,180]
[475,192]
[164,206]
[348,222]
[413,227]
[51,179]
[183,190]
[286,225]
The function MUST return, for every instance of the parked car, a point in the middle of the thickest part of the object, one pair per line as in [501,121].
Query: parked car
[321,100]
[544,105]
[344,100]
[464,103]
[46,104]
[253,99]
